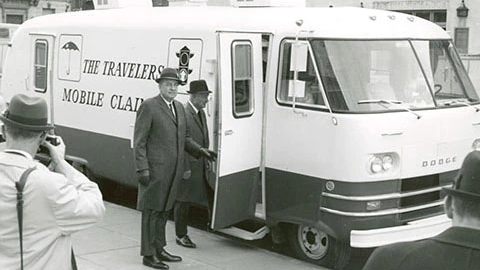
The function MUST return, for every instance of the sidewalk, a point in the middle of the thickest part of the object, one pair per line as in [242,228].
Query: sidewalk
[114,244]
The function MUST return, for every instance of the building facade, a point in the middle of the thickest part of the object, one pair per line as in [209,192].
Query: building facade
[18,11]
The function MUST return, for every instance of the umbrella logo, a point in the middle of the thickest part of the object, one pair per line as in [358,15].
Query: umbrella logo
[70,46]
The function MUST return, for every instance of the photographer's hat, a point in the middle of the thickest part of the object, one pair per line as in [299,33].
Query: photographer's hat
[198,86]
[30,113]
[169,74]
[467,182]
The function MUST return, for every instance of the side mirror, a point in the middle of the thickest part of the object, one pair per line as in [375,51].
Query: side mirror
[299,56]
[298,66]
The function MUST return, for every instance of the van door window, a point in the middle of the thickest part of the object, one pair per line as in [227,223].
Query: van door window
[40,66]
[242,79]
[305,88]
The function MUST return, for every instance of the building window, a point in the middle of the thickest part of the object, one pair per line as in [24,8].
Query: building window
[437,16]
[14,18]
[461,40]
[242,79]
[40,65]
[46,11]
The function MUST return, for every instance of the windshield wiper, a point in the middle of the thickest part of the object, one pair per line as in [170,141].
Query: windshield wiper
[453,102]
[391,102]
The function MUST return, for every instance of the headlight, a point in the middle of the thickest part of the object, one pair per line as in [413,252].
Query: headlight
[387,163]
[376,165]
[382,162]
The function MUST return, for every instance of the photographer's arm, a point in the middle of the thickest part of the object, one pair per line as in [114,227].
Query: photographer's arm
[77,202]
[58,163]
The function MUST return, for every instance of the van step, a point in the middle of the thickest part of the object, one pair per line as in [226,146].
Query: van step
[244,234]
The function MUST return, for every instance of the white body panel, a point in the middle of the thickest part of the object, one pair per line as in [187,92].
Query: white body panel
[437,135]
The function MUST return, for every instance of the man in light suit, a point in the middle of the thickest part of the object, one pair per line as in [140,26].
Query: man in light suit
[457,248]
[160,139]
[58,200]
[194,186]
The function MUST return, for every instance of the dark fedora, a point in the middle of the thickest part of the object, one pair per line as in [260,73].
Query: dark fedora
[168,74]
[199,86]
[467,182]
[30,113]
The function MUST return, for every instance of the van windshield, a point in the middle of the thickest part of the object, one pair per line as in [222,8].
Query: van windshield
[372,75]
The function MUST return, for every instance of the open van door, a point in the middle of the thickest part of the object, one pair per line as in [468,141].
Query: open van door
[240,129]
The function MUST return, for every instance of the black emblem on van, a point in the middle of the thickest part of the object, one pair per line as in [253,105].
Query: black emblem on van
[183,62]
[69,46]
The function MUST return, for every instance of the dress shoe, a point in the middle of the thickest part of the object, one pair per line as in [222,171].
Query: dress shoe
[186,242]
[154,262]
[163,255]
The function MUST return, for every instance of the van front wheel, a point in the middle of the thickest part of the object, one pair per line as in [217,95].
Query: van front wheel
[313,245]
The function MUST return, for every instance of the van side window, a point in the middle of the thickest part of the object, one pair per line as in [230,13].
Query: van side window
[242,79]
[308,92]
[40,65]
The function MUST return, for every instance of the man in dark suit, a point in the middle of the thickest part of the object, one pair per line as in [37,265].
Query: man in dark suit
[160,139]
[457,248]
[193,187]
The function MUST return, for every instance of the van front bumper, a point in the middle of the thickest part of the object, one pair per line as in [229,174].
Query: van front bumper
[414,230]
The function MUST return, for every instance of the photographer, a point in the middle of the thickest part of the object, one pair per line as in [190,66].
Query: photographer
[57,201]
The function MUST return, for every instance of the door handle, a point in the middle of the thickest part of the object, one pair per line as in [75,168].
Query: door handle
[228,132]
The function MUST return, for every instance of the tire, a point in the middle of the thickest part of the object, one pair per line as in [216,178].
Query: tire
[315,246]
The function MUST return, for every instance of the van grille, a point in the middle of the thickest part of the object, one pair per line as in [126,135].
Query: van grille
[418,184]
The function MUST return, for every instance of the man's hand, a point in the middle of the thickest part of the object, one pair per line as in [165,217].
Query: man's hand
[57,152]
[143,177]
[208,154]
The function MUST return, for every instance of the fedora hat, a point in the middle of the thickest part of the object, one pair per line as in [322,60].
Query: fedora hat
[467,182]
[30,113]
[168,74]
[198,86]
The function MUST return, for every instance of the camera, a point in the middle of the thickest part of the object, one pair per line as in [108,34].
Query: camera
[53,140]
[43,154]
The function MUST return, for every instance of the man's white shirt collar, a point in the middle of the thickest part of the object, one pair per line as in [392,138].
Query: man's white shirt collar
[193,106]
[168,103]
[20,152]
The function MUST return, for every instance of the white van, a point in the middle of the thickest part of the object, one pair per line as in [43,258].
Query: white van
[6,32]
[336,127]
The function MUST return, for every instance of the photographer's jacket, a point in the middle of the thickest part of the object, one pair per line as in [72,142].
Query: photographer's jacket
[457,248]
[55,206]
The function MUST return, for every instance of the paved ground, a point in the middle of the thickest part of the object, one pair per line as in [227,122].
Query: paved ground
[114,244]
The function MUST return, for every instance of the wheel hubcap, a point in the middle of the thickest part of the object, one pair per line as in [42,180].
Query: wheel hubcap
[313,242]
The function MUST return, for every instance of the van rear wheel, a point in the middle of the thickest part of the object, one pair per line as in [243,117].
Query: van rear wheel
[314,245]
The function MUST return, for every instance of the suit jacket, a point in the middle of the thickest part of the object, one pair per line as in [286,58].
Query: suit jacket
[160,140]
[457,248]
[193,188]
[55,206]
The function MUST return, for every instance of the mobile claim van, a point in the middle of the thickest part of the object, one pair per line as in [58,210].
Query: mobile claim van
[335,127]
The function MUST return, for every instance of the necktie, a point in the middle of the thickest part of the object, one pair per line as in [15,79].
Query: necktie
[200,116]
[172,109]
